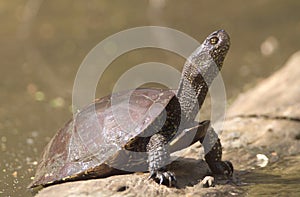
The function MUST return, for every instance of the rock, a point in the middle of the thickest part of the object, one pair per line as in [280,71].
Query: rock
[263,121]
[189,174]
[267,117]
[276,96]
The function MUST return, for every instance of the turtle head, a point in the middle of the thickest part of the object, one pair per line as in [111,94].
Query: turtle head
[206,61]
[199,71]
[217,45]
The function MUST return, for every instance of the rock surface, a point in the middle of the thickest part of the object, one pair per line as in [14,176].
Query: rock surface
[276,96]
[188,171]
[265,119]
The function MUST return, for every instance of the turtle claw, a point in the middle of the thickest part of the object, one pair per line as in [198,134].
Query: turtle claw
[208,181]
[164,178]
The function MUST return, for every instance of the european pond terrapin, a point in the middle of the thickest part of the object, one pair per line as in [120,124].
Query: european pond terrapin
[118,133]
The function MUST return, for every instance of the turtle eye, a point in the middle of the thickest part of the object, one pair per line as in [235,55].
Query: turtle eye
[214,40]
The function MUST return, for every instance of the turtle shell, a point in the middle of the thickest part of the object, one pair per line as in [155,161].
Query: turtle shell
[82,147]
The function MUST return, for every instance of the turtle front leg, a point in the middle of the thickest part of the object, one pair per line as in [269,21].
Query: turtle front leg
[213,152]
[158,158]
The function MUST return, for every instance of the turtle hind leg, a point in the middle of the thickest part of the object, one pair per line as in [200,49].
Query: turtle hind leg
[216,165]
[213,152]
[158,158]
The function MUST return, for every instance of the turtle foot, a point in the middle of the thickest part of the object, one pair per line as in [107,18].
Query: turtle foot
[222,168]
[164,177]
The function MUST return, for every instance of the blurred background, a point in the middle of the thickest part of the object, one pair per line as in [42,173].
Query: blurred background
[42,44]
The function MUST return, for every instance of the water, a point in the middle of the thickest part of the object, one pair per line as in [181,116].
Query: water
[277,179]
[42,44]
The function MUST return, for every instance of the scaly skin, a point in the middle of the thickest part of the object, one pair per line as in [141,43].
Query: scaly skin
[213,153]
[199,71]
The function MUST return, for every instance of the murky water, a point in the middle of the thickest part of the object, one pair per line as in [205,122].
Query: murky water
[276,179]
[42,44]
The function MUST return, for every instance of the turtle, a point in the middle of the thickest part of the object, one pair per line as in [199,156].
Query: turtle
[137,130]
